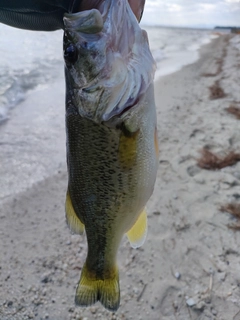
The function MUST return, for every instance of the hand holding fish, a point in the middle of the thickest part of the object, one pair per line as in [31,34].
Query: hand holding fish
[137,6]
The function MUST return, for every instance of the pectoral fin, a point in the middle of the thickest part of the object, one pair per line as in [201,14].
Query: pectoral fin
[73,221]
[138,233]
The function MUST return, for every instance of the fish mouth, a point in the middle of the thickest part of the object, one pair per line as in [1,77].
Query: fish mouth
[124,67]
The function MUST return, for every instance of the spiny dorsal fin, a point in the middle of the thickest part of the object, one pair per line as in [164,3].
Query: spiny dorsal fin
[74,223]
[91,290]
[138,233]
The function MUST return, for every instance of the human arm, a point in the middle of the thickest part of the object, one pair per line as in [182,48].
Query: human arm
[47,15]
[44,15]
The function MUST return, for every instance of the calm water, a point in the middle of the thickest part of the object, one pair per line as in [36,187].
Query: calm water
[31,59]
[174,48]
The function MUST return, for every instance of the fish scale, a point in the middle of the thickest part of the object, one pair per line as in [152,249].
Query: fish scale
[98,163]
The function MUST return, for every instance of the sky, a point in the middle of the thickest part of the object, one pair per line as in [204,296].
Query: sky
[193,13]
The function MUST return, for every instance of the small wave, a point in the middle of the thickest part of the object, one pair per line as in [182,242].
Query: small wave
[173,48]
[158,55]
[16,84]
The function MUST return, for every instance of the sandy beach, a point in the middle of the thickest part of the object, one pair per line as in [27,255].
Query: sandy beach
[189,266]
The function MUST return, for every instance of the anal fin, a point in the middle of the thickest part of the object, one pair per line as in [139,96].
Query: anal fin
[74,223]
[138,233]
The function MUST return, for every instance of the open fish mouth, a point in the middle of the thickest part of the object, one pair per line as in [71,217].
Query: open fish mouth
[108,60]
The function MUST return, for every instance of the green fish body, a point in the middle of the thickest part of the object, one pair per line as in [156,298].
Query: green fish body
[112,148]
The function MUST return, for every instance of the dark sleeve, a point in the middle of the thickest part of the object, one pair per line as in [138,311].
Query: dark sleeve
[44,15]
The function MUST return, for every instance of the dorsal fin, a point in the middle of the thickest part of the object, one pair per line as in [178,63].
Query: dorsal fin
[74,223]
[138,233]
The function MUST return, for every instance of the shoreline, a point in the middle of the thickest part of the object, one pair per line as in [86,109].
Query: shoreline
[188,243]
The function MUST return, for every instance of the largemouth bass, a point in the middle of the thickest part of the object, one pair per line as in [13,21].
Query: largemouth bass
[112,147]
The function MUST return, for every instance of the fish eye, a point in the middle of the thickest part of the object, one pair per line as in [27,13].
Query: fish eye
[70,54]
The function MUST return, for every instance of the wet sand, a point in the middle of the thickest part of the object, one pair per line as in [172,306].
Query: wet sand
[189,266]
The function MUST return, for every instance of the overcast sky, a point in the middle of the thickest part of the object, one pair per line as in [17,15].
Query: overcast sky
[199,13]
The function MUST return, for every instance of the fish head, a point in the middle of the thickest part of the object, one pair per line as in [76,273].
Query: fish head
[108,63]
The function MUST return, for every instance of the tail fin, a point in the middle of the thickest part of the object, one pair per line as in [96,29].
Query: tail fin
[91,290]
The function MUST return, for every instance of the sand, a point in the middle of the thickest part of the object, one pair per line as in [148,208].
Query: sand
[189,266]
